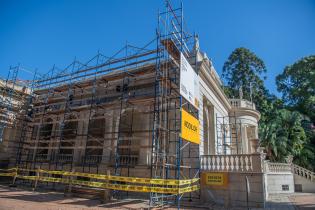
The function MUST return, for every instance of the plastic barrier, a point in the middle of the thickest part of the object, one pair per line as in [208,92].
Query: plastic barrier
[125,179]
[166,186]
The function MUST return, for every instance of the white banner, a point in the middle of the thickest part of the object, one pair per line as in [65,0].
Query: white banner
[189,82]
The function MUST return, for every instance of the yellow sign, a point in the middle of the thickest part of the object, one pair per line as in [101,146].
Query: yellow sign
[217,179]
[190,128]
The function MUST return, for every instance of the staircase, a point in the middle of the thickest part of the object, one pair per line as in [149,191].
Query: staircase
[304,180]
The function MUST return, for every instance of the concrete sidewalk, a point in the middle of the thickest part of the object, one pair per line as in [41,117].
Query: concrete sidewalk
[303,201]
[17,198]
[279,202]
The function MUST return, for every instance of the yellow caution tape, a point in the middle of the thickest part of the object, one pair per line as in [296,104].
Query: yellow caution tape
[8,174]
[27,177]
[24,169]
[121,187]
[173,182]
[9,169]
[188,189]
[175,186]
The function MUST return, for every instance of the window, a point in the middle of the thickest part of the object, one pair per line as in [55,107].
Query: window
[285,187]
[128,149]
[97,128]
[46,129]
[70,128]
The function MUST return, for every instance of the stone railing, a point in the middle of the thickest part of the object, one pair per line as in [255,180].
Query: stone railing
[232,163]
[237,103]
[41,157]
[303,172]
[64,157]
[129,160]
[92,159]
[278,167]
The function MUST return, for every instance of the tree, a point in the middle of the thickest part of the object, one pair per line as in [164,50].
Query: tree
[297,84]
[283,135]
[243,70]
[306,158]
[280,130]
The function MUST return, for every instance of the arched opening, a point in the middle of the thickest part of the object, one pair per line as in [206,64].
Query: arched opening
[45,132]
[96,128]
[69,134]
[95,140]
[128,144]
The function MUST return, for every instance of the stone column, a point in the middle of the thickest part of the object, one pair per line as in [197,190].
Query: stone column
[244,139]
[108,137]
[201,121]
[37,139]
[51,140]
[206,130]
[79,144]
[144,151]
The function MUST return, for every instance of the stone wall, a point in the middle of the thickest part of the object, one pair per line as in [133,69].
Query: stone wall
[278,178]
[303,185]
[279,183]
[234,193]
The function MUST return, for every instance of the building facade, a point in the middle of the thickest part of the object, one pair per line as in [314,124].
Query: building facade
[84,124]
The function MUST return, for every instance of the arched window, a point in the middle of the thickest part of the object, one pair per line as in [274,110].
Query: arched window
[97,128]
[128,144]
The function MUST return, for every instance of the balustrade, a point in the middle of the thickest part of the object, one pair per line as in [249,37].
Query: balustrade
[130,160]
[237,103]
[307,174]
[65,157]
[278,168]
[232,163]
[250,163]
[92,159]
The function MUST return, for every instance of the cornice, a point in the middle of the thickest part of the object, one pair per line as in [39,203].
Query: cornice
[217,90]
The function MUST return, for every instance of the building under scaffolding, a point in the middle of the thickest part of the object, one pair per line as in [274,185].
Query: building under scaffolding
[119,113]
[14,94]
[123,114]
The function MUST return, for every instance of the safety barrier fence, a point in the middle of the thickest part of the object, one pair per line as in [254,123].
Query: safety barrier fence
[131,184]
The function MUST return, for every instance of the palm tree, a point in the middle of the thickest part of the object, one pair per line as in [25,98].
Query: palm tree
[282,135]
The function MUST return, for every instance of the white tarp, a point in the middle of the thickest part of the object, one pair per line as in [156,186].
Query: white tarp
[189,82]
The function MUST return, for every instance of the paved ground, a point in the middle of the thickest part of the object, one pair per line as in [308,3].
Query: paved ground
[18,199]
[303,201]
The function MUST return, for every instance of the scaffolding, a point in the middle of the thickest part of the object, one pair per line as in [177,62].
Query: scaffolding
[229,135]
[98,87]
[7,95]
[172,157]
[118,114]
[13,103]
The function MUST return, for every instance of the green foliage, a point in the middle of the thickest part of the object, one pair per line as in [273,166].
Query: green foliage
[307,157]
[281,130]
[282,135]
[243,69]
[297,84]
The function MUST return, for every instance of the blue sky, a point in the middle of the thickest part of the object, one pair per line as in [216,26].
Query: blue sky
[38,33]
